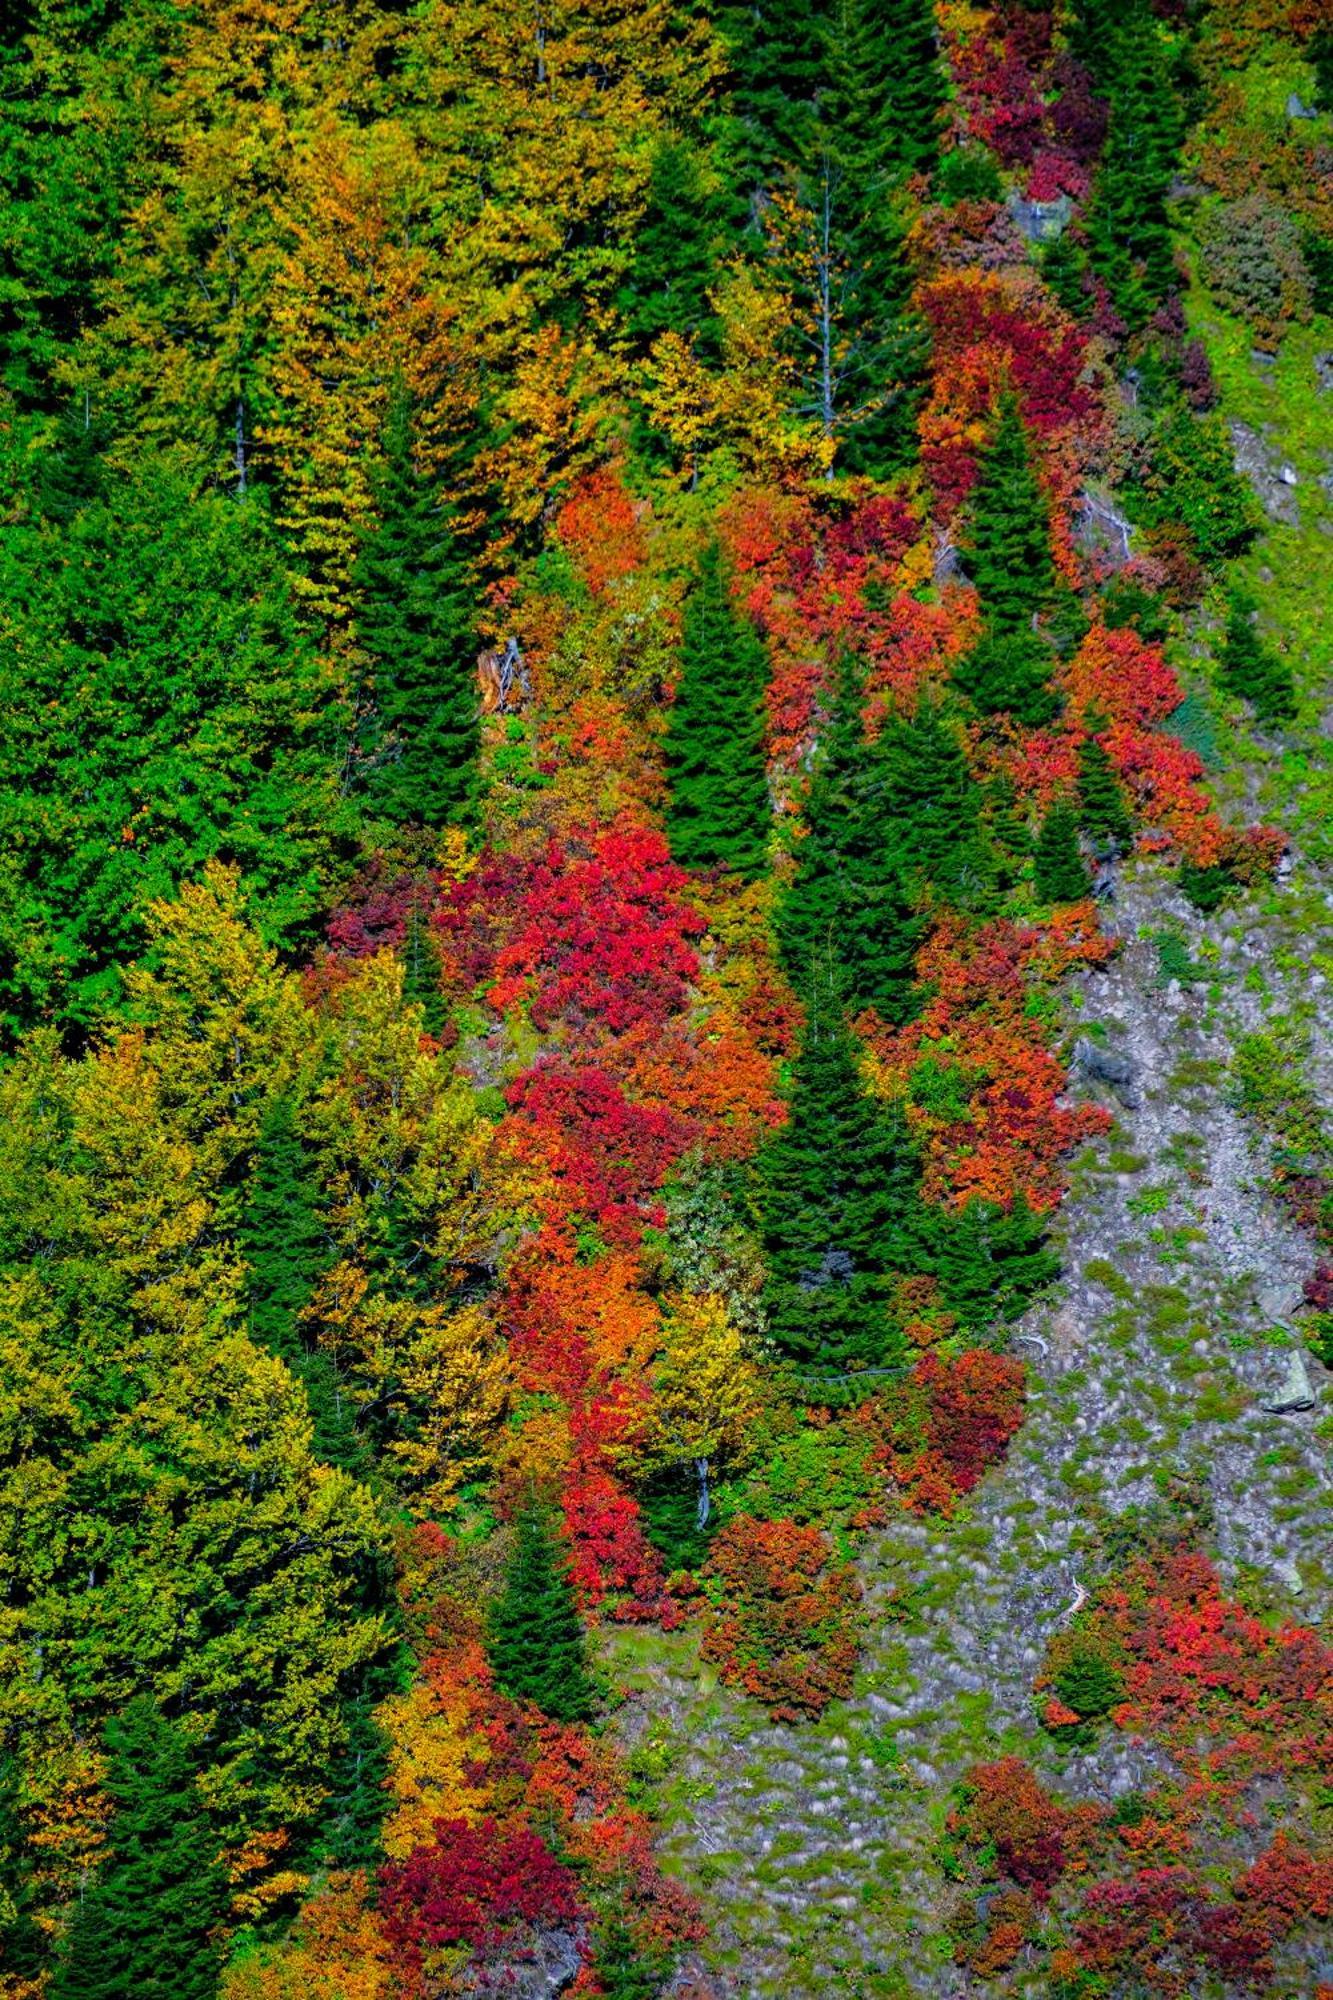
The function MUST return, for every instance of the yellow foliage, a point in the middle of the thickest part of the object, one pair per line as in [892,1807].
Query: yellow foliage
[459,1376]
[706,1388]
[433,1739]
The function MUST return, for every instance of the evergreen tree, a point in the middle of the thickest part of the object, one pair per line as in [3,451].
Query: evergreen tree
[838,1204]
[416,622]
[1250,669]
[851,902]
[885,89]
[536,1643]
[1008,556]
[422,972]
[1127,225]
[22,1944]
[934,806]
[991,1262]
[148,1924]
[777,60]
[1060,874]
[285,1245]
[1101,802]
[677,254]
[1321,55]
[718,807]
[348,1833]
[623,1971]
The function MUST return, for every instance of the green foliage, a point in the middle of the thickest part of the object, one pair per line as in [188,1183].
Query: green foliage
[886,89]
[161,707]
[1060,874]
[624,1971]
[1101,803]
[837,1206]
[1088,1683]
[22,1943]
[417,623]
[1007,547]
[968,173]
[536,1642]
[1009,673]
[718,807]
[1250,669]
[991,1262]
[422,973]
[777,58]
[852,905]
[676,253]
[1253,263]
[1128,229]
[1186,478]
[146,1924]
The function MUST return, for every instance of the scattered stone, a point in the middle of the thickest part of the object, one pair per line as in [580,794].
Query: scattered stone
[1254,462]
[1296,1393]
[1323,372]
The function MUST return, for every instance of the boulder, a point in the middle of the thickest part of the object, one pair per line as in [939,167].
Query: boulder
[1041,221]
[1298,108]
[1102,1065]
[1323,372]
[1295,1393]
[1273,480]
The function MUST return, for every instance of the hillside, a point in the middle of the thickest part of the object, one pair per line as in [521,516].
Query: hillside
[666,1187]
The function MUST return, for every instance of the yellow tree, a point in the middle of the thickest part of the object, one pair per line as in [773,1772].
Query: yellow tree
[706,1391]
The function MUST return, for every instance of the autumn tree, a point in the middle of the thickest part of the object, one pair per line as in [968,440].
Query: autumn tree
[536,1641]
[705,1392]
[837,1205]
[416,621]
[718,806]
[150,1924]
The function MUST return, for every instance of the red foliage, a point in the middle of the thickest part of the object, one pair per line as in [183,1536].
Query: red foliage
[1035,1835]
[785,1615]
[475,1886]
[612,1556]
[602,529]
[605,1156]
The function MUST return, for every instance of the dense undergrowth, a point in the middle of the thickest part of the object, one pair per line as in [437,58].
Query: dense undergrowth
[590,602]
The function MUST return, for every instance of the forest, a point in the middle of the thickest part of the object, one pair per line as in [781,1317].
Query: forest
[666,878]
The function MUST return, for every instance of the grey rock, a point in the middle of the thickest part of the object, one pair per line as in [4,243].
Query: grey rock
[1286,1572]
[1295,1393]
[1255,462]
[1298,108]
[1323,372]
[548,1967]
[1105,1066]
[1041,221]
[1280,1301]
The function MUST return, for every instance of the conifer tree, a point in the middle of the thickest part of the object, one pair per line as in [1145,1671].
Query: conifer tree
[933,805]
[536,1642]
[676,253]
[284,1242]
[623,1972]
[1321,55]
[148,1925]
[22,1945]
[990,1261]
[851,902]
[885,88]
[837,1202]
[1127,225]
[1059,872]
[1101,803]
[778,65]
[421,973]
[416,622]
[1250,669]
[718,806]
[1008,556]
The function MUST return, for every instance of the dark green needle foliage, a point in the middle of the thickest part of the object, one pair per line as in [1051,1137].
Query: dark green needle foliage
[933,806]
[838,1203]
[22,1944]
[623,1971]
[1101,802]
[885,91]
[1128,228]
[352,1816]
[422,973]
[1007,550]
[991,1262]
[677,253]
[536,1642]
[416,620]
[286,1246]
[1250,669]
[778,67]
[718,806]
[851,904]
[1321,55]
[146,1926]
[1060,874]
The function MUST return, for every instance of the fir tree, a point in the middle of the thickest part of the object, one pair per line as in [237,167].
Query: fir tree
[1250,669]
[777,57]
[851,903]
[885,90]
[1008,544]
[1101,803]
[148,1925]
[22,1945]
[416,622]
[349,1827]
[838,1204]
[991,1262]
[1321,55]
[718,807]
[1060,874]
[623,1971]
[285,1245]
[677,254]
[933,806]
[536,1643]
[1127,225]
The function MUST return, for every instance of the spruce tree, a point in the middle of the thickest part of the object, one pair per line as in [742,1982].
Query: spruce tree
[885,88]
[933,805]
[677,254]
[1101,802]
[623,1971]
[1127,225]
[1321,55]
[148,1925]
[1250,669]
[1008,556]
[718,810]
[991,1262]
[285,1245]
[22,1945]
[777,60]
[415,617]
[1060,874]
[536,1642]
[851,902]
[837,1204]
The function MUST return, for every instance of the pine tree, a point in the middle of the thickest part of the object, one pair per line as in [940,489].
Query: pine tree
[1101,803]
[1250,669]
[1127,225]
[284,1242]
[851,902]
[718,807]
[677,254]
[416,622]
[837,1203]
[421,973]
[536,1642]
[148,1925]
[22,1945]
[1059,873]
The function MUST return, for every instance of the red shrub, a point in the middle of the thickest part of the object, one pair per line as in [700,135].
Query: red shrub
[785,1617]
[474,1887]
